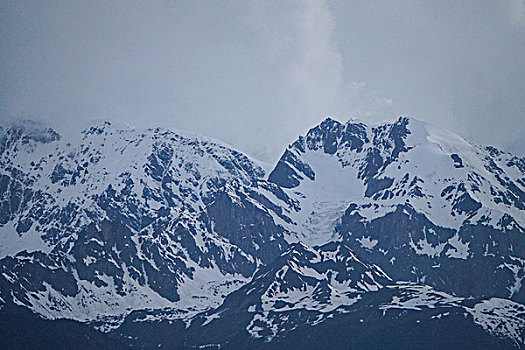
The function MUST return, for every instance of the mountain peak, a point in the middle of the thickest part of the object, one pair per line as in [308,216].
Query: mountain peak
[26,134]
[30,129]
[404,162]
[328,121]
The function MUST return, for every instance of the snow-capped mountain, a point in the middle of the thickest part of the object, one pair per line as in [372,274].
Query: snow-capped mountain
[423,203]
[129,219]
[161,237]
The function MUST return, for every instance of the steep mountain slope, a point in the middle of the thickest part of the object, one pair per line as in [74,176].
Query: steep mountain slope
[422,203]
[166,238]
[126,220]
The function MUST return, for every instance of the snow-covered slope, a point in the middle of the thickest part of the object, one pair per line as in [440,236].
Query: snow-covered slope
[128,219]
[419,201]
[407,162]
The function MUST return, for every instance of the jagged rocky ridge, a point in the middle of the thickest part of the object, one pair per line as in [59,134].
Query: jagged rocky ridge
[423,203]
[130,231]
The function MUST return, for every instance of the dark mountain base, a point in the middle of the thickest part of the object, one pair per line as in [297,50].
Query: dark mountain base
[362,328]
[22,329]
[346,332]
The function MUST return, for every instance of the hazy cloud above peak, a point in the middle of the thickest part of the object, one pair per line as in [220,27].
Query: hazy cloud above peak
[258,73]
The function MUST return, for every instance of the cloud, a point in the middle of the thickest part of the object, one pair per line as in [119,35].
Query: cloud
[314,84]
[254,74]
[516,11]
[258,73]
[315,75]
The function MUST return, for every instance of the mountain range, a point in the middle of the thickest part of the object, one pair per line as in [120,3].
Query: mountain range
[399,235]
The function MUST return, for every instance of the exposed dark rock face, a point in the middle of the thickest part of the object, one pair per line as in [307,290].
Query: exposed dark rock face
[409,247]
[247,227]
[284,174]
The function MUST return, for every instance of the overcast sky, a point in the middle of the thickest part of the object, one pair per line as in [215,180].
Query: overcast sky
[258,73]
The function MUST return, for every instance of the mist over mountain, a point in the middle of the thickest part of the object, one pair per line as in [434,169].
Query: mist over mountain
[398,235]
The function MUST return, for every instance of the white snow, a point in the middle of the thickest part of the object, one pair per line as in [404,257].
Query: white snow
[501,317]
[367,242]
[11,243]
[459,249]
[517,266]
[415,297]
